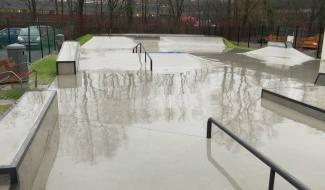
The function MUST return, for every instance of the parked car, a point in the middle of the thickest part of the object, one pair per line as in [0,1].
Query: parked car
[36,33]
[5,39]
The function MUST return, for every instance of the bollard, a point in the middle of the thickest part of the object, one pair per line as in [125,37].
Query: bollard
[17,53]
[59,39]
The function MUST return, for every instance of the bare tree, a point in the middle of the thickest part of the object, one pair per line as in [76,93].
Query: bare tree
[176,8]
[316,11]
[32,7]
[62,9]
[81,4]
[114,5]
[56,7]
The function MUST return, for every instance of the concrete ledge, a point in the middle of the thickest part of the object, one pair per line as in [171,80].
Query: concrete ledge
[68,58]
[26,130]
[292,103]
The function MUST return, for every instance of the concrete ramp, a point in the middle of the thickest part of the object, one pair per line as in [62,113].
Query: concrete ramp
[191,44]
[275,55]
[309,100]
[320,80]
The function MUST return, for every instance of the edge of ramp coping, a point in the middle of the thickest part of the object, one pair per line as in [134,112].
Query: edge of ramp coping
[293,101]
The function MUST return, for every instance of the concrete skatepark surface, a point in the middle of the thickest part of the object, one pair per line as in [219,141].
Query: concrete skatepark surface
[130,129]
[276,56]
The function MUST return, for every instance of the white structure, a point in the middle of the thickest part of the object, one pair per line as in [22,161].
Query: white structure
[320,80]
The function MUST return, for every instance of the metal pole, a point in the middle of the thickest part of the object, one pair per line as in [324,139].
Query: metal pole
[150,65]
[54,37]
[278,33]
[249,35]
[296,36]
[262,33]
[209,128]
[238,34]
[8,30]
[29,48]
[48,39]
[41,42]
[319,42]
[271,180]
[145,57]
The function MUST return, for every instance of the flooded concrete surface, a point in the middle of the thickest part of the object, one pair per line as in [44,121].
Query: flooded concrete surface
[133,129]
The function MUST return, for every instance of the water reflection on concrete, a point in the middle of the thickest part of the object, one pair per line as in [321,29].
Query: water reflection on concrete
[142,130]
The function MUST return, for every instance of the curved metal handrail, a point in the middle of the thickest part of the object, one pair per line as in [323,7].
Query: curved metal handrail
[14,74]
[19,78]
[274,167]
[146,54]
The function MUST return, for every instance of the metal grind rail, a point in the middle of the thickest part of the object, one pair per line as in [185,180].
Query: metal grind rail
[274,167]
[139,48]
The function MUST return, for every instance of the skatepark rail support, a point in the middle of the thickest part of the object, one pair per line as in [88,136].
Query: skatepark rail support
[138,49]
[274,167]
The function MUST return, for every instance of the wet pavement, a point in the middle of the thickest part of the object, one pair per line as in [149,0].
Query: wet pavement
[133,129]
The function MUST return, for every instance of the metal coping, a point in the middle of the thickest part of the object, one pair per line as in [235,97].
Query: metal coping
[292,100]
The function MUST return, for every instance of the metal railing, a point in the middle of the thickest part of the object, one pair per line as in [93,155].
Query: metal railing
[139,48]
[274,167]
[17,77]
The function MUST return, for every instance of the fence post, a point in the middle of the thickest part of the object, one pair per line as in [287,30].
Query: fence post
[296,36]
[238,34]
[48,39]
[29,46]
[262,34]
[8,30]
[249,35]
[54,46]
[321,30]
[277,33]
[41,41]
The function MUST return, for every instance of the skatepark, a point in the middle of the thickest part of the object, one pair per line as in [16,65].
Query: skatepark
[127,123]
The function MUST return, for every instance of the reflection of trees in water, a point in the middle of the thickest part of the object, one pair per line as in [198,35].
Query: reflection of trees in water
[108,101]
[93,117]
[238,107]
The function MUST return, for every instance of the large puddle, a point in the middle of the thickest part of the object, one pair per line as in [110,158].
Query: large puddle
[135,129]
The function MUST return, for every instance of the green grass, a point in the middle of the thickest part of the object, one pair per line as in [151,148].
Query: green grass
[230,45]
[46,69]
[3,108]
[83,39]
[14,93]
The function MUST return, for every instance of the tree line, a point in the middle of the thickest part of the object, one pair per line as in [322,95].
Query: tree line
[306,13]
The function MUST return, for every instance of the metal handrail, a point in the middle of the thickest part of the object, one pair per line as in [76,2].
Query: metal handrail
[146,54]
[19,78]
[274,167]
